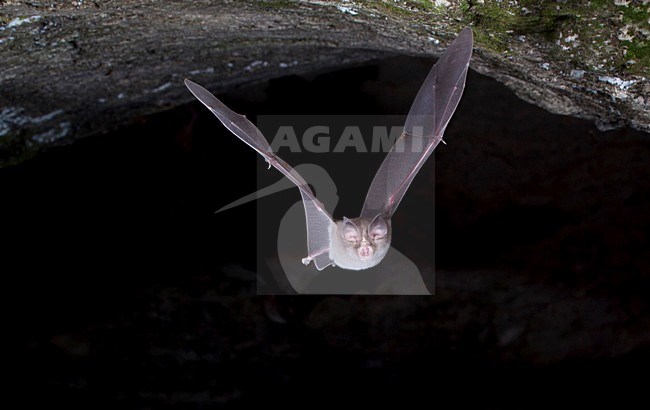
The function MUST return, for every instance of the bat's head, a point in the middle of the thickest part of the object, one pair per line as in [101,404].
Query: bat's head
[365,237]
[360,243]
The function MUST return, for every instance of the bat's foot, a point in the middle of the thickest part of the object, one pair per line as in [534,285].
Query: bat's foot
[306,261]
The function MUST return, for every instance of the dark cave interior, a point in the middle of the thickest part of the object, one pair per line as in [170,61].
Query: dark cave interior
[126,290]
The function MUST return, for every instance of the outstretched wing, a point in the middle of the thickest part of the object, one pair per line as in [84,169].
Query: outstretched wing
[318,220]
[430,113]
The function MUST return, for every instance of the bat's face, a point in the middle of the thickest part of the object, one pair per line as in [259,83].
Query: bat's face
[359,243]
[362,237]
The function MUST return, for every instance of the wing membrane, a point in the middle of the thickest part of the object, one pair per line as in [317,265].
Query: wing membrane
[318,219]
[425,125]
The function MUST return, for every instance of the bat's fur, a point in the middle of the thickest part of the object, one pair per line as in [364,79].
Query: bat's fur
[349,254]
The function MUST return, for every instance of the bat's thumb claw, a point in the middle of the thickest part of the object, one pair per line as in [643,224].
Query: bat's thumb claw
[305,261]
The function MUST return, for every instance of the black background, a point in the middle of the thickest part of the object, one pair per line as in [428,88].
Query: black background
[124,289]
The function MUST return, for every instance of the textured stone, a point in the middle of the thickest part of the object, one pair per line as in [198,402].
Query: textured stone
[74,69]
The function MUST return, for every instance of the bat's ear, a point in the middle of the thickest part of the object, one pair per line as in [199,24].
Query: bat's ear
[378,228]
[350,231]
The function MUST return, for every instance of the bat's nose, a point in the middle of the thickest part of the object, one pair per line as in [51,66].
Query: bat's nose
[365,252]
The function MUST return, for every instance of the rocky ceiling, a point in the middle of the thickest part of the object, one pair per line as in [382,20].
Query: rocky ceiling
[74,69]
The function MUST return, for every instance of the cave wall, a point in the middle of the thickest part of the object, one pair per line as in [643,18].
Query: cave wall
[80,68]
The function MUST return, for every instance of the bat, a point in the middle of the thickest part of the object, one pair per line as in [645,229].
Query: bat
[362,242]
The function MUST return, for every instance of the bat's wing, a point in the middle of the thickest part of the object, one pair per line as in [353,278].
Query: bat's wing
[318,220]
[430,113]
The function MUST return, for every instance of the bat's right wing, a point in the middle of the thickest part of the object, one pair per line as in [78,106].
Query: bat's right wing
[430,113]
[318,220]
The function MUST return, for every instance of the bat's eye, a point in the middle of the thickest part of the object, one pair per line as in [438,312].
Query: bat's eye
[350,232]
[378,228]
[376,237]
[351,237]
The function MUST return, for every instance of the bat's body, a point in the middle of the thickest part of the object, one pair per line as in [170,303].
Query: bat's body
[363,242]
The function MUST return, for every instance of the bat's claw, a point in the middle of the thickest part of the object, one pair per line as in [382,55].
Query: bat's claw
[306,261]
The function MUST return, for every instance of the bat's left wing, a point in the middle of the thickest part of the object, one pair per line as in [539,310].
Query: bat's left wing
[430,113]
[318,220]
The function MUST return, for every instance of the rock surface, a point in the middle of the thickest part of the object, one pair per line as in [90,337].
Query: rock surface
[74,69]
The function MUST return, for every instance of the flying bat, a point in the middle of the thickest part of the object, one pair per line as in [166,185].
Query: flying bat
[362,242]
